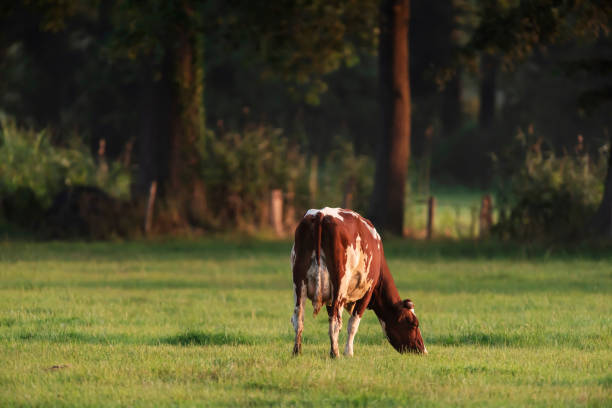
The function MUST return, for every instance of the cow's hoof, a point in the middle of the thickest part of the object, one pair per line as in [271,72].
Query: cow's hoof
[297,350]
[332,354]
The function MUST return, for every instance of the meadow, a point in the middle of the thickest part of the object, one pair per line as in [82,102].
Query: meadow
[207,323]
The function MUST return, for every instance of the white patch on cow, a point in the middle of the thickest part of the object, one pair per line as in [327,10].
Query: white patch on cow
[384,327]
[355,283]
[334,330]
[334,212]
[365,222]
[353,325]
[412,310]
[316,281]
[371,229]
[292,255]
[298,312]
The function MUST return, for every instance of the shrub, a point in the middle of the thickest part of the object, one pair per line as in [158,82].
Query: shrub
[241,168]
[344,172]
[550,196]
[33,171]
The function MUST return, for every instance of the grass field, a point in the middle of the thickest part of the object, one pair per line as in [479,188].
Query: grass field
[207,323]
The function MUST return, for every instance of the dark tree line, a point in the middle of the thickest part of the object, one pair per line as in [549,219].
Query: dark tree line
[156,75]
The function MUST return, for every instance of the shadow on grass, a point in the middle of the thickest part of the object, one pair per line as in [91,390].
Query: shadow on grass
[74,337]
[592,341]
[579,341]
[525,340]
[251,282]
[222,249]
[606,381]
[200,338]
[188,338]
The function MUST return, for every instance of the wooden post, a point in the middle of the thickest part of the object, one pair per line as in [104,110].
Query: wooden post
[458,221]
[431,213]
[473,214]
[150,206]
[349,189]
[313,180]
[290,209]
[276,211]
[102,164]
[486,216]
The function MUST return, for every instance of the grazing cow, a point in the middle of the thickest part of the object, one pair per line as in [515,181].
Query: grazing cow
[338,261]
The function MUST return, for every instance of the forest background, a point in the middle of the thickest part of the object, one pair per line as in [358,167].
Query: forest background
[123,118]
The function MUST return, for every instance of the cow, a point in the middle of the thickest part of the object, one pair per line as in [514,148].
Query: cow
[338,261]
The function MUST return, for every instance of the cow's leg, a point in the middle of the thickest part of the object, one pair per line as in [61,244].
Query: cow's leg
[300,262]
[335,324]
[298,316]
[353,324]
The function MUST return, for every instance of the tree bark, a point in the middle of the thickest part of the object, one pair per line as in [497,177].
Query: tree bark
[186,121]
[187,129]
[153,141]
[387,203]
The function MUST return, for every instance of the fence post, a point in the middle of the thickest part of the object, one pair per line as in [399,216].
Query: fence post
[486,217]
[276,211]
[290,209]
[431,213]
[349,188]
[473,216]
[458,221]
[150,206]
[313,180]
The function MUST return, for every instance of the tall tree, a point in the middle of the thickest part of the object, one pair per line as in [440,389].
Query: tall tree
[513,31]
[166,38]
[387,204]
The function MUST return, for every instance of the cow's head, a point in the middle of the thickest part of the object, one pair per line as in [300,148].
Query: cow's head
[403,330]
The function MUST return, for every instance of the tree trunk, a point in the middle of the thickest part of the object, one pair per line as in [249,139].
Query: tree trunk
[387,203]
[489,66]
[601,223]
[187,129]
[153,141]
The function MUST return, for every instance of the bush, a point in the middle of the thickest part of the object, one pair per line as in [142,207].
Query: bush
[344,172]
[241,168]
[33,171]
[550,196]
[29,160]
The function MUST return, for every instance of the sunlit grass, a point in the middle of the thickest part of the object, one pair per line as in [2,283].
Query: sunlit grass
[207,323]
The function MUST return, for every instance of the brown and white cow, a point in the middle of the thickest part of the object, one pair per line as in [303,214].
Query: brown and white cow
[338,261]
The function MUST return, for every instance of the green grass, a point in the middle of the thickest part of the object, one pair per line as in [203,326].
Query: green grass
[207,323]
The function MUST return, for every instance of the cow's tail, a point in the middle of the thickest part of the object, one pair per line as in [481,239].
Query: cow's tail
[318,297]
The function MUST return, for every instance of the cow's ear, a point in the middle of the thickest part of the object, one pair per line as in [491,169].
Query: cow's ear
[408,304]
[407,316]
